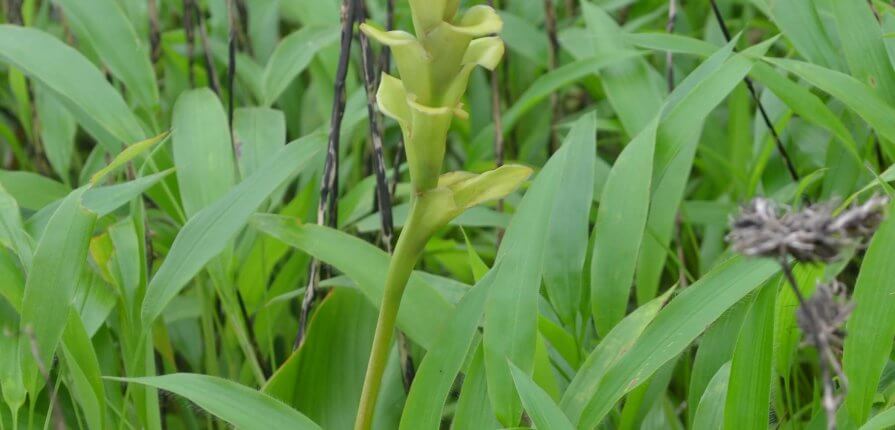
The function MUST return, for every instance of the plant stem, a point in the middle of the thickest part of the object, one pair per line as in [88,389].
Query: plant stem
[410,245]
[327,206]
[825,357]
[552,62]
[383,197]
[790,167]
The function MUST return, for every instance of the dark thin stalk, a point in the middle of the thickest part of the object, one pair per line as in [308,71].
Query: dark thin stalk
[383,198]
[242,27]
[497,119]
[58,418]
[826,359]
[383,195]
[570,8]
[552,62]
[385,56]
[327,208]
[764,114]
[669,56]
[669,77]
[231,70]
[190,39]
[155,51]
[210,69]
[13,11]
[386,64]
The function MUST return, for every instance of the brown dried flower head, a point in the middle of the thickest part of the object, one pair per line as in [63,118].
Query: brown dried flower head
[830,305]
[812,234]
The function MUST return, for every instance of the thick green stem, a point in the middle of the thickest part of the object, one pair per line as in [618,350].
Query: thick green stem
[410,245]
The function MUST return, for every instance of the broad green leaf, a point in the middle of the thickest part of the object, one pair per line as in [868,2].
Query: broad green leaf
[259,134]
[12,280]
[881,421]
[105,200]
[749,389]
[866,353]
[236,404]
[12,388]
[473,408]
[478,267]
[610,349]
[524,38]
[568,231]
[800,22]
[543,412]
[32,191]
[52,281]
[674,43]
[797,98]
[202,150]
[621,219]
[539,90]
[709,413]
[715,350]
[676,326]
[292,56]
[12,230]
[862,42]
[57,131]
[806,105]
[511,310]
[856,95]
[209,231]
[439,368]
[677,139]
[423,310]
[117,43]
[75,81]
[629,86]
[83,366]
[331,362]
[561,340]
[128,154]
[263,26]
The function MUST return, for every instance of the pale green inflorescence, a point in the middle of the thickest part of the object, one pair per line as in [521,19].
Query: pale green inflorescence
[434,67]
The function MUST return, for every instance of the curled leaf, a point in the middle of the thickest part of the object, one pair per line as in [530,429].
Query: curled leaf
[392,99]
[491,185]
[425,143]
[486,52]
[428,14]
[479,21]
[411,58]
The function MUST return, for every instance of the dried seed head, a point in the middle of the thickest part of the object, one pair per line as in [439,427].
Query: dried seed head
[812,234]
[831,307]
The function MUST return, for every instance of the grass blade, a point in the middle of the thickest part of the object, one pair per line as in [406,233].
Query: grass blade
[209,231]
[236,404]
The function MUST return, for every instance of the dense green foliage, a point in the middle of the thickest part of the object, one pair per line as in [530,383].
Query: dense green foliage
[195,226]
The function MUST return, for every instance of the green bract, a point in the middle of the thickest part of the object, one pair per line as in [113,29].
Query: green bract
[434,67]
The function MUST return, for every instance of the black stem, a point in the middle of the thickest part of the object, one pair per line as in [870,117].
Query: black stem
[552,62]
[817,331]
[188,29]
[327,207]
[383,198]
[764,114]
